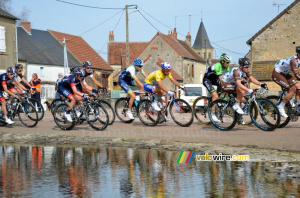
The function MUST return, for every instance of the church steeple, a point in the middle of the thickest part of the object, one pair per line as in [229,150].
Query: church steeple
[202,42]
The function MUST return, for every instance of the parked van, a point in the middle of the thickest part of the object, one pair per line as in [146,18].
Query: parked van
[192,92]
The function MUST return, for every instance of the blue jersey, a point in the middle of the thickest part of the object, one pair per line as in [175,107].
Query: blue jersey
[4,79]
[68,81]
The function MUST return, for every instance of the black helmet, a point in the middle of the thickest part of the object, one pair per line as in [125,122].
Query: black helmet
[18,66]
[244,62]
[298,49]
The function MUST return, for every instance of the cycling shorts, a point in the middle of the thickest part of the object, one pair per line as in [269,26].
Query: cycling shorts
[65,91]
[126,83]
[149,88]
[208,83]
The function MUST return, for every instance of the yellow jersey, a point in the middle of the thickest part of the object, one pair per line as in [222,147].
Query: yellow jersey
[156,76]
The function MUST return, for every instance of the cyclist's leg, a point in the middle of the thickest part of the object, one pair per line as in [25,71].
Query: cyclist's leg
[3,103]
[283,81]
[124,84]
[209,86]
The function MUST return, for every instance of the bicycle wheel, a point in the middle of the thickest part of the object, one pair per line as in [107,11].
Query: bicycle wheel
[60,119]
[288,108]
[110,111]
[147,114]
[269,115]
[40,108]
[56,102]
[28,114]
[200,108]
[121,107]
[245,120]
[97,117]
[181,112]
[224,112]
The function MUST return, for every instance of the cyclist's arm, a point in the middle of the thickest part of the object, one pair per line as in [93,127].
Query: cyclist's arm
[295,69]
[26,82]
[220,78]
[254,80]
[174,82]
[86,87]
[160,85]
[240,85]
[96,82]
[139,84]
[73,87]
[6,90]
[19,85]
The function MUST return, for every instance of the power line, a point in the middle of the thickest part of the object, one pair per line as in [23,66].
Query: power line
[89,6]
[233,38]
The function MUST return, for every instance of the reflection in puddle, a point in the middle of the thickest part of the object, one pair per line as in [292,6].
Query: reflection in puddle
[125,172]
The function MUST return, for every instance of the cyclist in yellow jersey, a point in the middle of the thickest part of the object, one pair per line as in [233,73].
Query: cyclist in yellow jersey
[153,83]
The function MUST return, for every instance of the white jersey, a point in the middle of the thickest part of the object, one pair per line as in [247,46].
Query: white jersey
[284,65]
[233,74]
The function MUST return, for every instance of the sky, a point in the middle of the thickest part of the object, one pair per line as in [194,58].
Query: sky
[229,24]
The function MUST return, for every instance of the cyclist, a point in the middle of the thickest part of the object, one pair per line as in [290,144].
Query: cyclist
[153,84]
[213,76]
[6,79]
[282,76]
[67,87]
[127,78]
[23,81]
[235,82]
[87,71]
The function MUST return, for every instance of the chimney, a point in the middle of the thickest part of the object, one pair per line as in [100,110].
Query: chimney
[27,26]
[188,39]
[175,34]
[111,36]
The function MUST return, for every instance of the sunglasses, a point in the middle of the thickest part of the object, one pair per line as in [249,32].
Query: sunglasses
[166,70]
[245,66]
[88,67]
[20,70]
[11,74]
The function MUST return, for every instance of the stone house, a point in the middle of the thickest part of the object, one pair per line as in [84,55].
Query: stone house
[276,40]
[8,40]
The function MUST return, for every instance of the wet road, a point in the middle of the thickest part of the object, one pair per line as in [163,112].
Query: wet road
[286,139]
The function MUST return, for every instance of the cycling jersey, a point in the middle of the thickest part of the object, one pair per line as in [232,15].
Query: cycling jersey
[4,79]
[85,74]
[284,66]
[235,74]
[65,85]
[157,76]
[129,73]
[215,71]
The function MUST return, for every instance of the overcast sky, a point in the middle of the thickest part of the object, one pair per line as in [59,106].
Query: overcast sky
[229,24]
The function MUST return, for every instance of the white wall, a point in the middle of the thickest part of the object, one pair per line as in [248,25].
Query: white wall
[50,72]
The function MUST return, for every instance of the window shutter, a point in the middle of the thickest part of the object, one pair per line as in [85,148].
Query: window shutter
[2,39]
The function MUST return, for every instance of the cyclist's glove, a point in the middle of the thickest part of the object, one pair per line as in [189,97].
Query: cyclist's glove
[95,91]
[264,85]
[250,91]
[182,87]
[16,95]
[84,95]
[170,93]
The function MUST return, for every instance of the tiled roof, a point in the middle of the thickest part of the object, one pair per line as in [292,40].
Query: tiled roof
[117,52]
[82,50]
[191,51]
[271,22]
[5,14]
[42,48]
[173,73]
[201,37]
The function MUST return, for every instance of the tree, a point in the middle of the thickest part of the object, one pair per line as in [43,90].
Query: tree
[5,5]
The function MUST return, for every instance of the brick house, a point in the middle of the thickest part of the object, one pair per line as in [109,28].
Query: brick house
[275,41]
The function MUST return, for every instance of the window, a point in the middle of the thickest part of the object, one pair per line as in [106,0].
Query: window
[193,71]
[41,71]
[2,39]
[193,91]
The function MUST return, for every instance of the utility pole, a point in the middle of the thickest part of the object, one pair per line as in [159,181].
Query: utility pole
[127,38]
[66,65]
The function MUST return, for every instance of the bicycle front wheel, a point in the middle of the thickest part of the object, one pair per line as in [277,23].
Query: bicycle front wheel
[40,108]
[110,111]
[200,108]
[60,118]
[28,115]
[269,118]
[222,115]
[181,112]
[97,117]
[147,114]
[55,103]
[121,107]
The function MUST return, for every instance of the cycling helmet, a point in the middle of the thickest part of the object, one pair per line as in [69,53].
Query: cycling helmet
[298,49]
[138,62]
[79,72]
[87,64]
[244,62]
[225,57]
[18,66]
[165,65]
[10,70]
